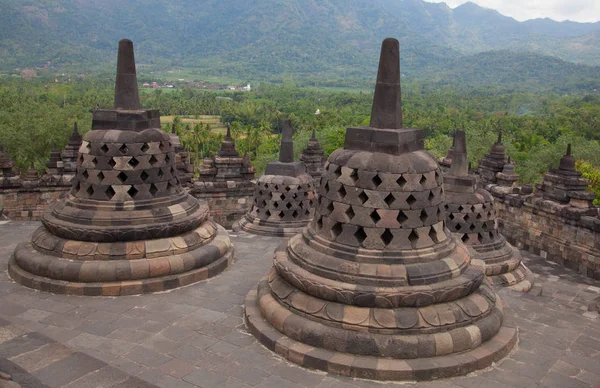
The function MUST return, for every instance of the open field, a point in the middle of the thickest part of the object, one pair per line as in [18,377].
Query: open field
[214,121]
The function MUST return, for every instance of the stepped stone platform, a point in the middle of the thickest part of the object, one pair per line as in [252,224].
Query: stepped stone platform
[195,336]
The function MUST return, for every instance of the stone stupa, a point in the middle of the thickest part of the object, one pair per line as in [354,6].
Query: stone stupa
[471,217]
[127,227]
[376,287]
[312,157]
[284,197]
[493,163]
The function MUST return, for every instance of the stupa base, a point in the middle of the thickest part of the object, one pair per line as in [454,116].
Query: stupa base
[377,368]
[519,279]
[269,228]
[45,272]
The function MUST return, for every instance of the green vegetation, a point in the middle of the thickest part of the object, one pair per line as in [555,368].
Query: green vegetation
[311,43]
[536,128]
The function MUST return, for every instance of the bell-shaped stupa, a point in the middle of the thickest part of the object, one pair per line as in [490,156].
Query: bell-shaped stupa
[375,287]
[127,227]
[471,217]
[284,197]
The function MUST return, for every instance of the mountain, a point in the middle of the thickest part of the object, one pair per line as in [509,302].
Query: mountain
[273,39]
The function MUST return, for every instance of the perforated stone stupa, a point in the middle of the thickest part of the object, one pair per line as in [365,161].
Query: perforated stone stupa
[284,197]
[183,164]
[8,178]
[127,226]
[470,215]
[376,287]
[492,163]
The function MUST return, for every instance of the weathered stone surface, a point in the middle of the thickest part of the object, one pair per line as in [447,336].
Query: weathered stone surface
[374,281]
[126,191]
[284,197]
[470,216]
[312,157]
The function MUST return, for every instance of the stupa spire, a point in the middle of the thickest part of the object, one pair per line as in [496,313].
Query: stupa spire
[126,89]
[387,101]
[459,166]
[286,152]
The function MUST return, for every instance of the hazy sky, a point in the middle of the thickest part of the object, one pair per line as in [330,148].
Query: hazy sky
[575,10]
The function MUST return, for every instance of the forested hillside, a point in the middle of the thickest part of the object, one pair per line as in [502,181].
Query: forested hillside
[336,41]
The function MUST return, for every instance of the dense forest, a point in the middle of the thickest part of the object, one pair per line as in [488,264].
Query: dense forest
[37,113]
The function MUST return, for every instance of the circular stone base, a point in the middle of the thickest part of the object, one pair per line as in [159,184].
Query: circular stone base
[218,254]
[268,228]
[520,279]
[377,368]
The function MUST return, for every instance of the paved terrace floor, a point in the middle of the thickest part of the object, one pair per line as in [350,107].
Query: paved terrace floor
[195,336]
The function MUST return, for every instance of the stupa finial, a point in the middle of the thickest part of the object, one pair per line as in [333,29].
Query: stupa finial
[286,152]
[387,101]
[314,135]
[228,135]
[126,89]
[459,166]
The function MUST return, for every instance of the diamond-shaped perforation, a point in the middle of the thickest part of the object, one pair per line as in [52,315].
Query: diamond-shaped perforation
[401,181]
[283,197]
[491,234]
[81,159]
[161,146]
[281,215]
[287,188]
[100,176]
[450,216]
[401,218]
[330,207]
[342,192]
[389,199]
[458,227]
[152,160]
[466,218]
[338,172]
[90,191]
[431,195]
[413,236]
[472,227]
[478,216]
[387,237]
[354,175]
[289,205]
[295,214]
[104,148]
[110,192]
[326,187]
[267,213]
[263,203]
[423,216]
[465,238]
[480,237]
[363,197]
[122,177]
[433,235]
[153,190]
[460,208]
[123,149]
[132,192]
[320,224]
[145,147]
[144,176]
[85,174]
[76,188]
[375,217]
[360,235]
[336,230]
[111,162]
[423,180]
[411,200]
[160,173]
[167,159]
[376,180]
[350,213]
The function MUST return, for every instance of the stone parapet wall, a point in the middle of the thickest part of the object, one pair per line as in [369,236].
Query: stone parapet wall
[560,233]
[227,201]
[29,204]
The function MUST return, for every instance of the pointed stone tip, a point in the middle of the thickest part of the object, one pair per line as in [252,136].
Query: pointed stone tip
[387,105]
[568,150]
[499,141]
[126,88]
[228,135]
[286,152]
[460,166]
[314,135]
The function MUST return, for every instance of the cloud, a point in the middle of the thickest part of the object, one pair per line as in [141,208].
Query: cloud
[575,10]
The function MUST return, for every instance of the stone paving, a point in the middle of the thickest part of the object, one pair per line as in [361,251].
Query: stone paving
[195,336]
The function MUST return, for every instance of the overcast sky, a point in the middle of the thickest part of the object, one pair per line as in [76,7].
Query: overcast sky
[575,10]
